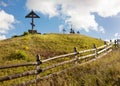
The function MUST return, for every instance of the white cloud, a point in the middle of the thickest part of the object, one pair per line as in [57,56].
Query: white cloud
[61,27]
[6,23]
[3,4]
[77,12]
[107,8]
[45,6]
[2,37]
[117,35]
[102,30]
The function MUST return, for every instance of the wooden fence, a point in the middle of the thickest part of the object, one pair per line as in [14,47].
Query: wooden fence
[76,57]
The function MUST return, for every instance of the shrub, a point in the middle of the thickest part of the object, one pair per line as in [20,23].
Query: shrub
[15,36]
[25,47]
[25,33]
[19,55]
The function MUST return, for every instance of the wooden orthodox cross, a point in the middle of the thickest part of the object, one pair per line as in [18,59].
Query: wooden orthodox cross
[32,15]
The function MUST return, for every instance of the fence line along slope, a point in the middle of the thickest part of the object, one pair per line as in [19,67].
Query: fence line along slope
[102,72]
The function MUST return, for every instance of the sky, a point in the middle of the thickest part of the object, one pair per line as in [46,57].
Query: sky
[95,18]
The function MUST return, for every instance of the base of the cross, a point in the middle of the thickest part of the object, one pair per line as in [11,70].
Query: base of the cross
[32,31]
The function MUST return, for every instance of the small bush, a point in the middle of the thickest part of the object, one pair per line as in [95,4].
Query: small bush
[25,33]
[15,36]
[19,55]
[25,47]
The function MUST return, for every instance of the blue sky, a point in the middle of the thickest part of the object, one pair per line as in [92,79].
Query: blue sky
[96,18]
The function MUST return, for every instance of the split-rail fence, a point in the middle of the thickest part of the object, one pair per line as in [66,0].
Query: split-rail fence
[96,53]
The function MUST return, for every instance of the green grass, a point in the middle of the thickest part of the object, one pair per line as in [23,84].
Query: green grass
[23,49]
[46,45]
[103,72]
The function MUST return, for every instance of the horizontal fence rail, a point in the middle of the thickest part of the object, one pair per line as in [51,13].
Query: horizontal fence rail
[18,65]
[94,53]
[5,78]
[84,51]
[82,57]
[101,47]
[55,65]
[56,57]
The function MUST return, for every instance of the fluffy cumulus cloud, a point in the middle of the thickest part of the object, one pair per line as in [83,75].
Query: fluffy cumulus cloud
[6,23]
[79,13]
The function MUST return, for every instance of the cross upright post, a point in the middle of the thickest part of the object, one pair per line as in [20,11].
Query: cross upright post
[32,23]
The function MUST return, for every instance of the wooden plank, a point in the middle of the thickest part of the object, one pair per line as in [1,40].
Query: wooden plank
[104,54]
[108,47]
[101,51]
[5,78]
[86,51]
[18,65]
[82,57]
[55,65]
[96,58]
[101,47]
[61,56]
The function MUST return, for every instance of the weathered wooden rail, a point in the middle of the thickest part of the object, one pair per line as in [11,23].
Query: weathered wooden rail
[18,65]
[95,53]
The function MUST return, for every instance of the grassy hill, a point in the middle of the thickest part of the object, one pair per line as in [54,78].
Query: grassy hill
[25,48]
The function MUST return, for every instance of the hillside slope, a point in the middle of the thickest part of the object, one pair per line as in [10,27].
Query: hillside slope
[27,47]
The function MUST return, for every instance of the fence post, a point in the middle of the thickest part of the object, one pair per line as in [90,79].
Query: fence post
[38,70]
[110,41]
[94,46]
[110,44]
[75,50]
[105,45]
[115,43]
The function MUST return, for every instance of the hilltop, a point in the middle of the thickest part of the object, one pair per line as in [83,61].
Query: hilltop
[25,48]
